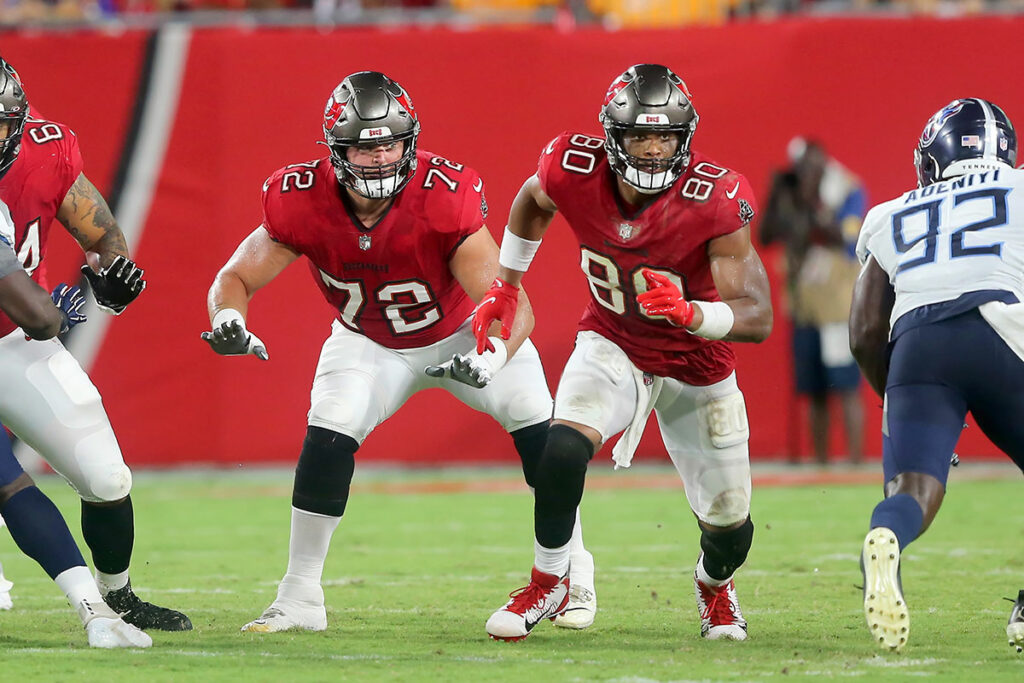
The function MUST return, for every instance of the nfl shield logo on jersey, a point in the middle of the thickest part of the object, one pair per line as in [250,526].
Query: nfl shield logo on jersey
[625,231]
[364,242]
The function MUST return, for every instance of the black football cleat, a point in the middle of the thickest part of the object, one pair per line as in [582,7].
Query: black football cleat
[145,615]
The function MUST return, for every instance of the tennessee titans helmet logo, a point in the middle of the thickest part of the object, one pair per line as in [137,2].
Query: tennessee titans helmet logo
[934,125]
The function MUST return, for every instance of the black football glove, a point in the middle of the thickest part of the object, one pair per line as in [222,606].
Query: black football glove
[469,369]
[117,285]
[230,338]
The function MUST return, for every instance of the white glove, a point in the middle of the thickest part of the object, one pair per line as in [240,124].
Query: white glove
[230,338]
[476,370]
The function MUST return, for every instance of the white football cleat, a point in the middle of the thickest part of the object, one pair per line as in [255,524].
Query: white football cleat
[884,607]
[719,610]
[298,606]
[285,615]
[5,592]
[1015,626]
[582,597]
[545,598]
[107,630]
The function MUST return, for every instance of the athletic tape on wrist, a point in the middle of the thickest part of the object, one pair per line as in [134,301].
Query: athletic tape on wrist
[517,253]
[226,315]
[718,319]
[496,359]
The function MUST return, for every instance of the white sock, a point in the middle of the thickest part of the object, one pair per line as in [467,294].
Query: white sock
[576,540]
[307,548]
[111,582]
[706,578]
[551,560]
[5,585]
[78,584]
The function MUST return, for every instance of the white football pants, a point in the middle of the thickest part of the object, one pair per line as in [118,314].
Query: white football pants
[704,428]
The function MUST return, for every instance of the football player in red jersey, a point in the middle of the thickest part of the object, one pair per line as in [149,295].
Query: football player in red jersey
[48,401]
[665,243]
[395,239]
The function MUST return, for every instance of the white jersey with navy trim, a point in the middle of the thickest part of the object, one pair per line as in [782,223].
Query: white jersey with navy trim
[945,240]
[8,259]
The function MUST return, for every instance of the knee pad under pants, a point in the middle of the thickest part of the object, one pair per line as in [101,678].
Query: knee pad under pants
[560,477]
[323,475]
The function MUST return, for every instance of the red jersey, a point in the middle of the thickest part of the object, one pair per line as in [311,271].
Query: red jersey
[391,282]
[670,235]
[34,187]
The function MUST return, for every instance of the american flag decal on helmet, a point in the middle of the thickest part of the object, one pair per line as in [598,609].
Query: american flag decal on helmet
[746,213]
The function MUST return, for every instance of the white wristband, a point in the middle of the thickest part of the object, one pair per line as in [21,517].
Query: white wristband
[495,359]
[517,253]
[718,319]
[227,315]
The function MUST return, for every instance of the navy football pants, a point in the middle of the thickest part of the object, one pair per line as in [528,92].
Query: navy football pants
[938,372]
[9,467]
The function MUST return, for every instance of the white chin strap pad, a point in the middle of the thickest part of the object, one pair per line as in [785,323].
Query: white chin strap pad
[649,183]
[374,188]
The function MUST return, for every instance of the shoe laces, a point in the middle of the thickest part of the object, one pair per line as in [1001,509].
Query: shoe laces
[526,597]
[719,607]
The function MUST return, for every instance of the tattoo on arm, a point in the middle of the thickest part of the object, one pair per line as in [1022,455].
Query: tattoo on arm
[85,215]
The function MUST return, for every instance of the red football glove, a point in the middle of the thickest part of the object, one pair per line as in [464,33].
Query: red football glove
[499,303]
[664,298]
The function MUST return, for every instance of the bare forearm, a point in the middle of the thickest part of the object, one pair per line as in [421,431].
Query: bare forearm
[110,246]
[531,213]
[85,215]
[29,306]
[873,364]
[521,328]
[753,320]
[228,291]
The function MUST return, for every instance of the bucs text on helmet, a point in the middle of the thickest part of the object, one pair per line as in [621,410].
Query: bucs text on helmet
[648,98]
[370,109]
[13,112]
[966,135]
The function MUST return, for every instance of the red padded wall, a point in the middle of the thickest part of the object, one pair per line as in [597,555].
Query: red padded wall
[252,101]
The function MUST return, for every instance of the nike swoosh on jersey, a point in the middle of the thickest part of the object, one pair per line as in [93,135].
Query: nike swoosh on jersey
[479,184]
[732,194]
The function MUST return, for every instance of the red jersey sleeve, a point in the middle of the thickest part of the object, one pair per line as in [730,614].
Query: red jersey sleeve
[69,164]
[736,206]
[474,205]
[455,206]
[550,170]
[274,221]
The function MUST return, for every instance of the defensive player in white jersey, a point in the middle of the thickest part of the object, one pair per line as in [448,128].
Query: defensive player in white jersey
[936,327]
[395,239]
[35,522]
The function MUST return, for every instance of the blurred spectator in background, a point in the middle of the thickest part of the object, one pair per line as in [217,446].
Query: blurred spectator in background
[815,210]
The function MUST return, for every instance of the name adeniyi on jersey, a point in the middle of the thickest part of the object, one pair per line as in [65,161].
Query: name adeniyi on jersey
[670,236]
[958,240]
[390,282]
[34,188]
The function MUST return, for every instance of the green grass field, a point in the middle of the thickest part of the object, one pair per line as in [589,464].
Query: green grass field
[413,576]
